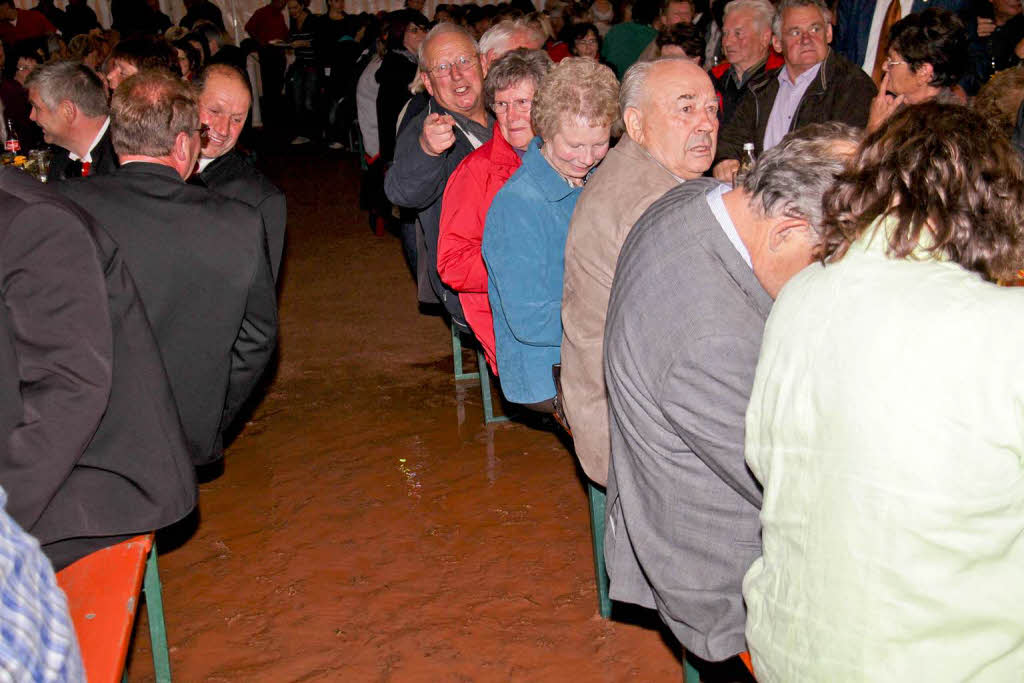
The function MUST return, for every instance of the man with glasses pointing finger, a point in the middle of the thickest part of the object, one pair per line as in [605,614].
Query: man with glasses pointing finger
[454,123]
[815,85]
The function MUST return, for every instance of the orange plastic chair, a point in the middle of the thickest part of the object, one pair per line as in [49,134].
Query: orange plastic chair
[103,594]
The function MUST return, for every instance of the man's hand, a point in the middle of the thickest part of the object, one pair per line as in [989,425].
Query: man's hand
[437,135]
[985,27]
[725,171]
[883,105]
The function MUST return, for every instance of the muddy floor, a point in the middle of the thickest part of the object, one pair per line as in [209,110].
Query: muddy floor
[367,526]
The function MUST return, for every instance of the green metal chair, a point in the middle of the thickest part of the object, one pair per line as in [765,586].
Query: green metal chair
[153,591]
[483,373]
[597,500]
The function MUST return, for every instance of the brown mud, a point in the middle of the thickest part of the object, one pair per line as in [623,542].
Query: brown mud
[367,526]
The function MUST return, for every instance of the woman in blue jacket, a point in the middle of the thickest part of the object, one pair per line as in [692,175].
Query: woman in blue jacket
[527,225]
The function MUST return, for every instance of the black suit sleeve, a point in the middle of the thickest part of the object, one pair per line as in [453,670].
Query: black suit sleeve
[256,339]
[54,291]
[274,211]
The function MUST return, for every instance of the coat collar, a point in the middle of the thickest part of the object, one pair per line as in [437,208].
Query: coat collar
[552,185]
[502,153]
[151,168]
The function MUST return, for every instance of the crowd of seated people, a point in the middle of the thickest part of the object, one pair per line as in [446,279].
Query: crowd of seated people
[753,258]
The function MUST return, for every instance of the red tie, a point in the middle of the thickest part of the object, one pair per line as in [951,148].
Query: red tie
[86,165]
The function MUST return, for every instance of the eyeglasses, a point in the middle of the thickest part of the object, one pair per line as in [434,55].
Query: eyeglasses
[520,105]
[587,41]
[203,130]
[890,63]
[814,30]
[460,64]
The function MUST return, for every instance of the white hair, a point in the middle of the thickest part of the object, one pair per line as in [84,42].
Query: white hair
[444,28]
[498,37]
[763,11]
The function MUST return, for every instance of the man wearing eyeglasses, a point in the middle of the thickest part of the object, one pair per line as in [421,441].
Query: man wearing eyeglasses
[431,145]
[815,85]
[199,259]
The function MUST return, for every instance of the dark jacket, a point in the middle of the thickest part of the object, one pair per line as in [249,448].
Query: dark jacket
[396,71]
[233,176]
[200,263]
[90,440]
[417,180]
[730,91]
[841,92]
[104,160]
[853,23]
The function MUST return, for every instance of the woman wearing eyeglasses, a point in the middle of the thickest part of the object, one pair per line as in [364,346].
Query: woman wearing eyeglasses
[585,41]
[528,222]
[927,57]
[508,89]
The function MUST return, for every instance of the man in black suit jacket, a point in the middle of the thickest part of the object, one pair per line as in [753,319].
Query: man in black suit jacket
[224,100]
[91,447]
[199,259]
[69,103]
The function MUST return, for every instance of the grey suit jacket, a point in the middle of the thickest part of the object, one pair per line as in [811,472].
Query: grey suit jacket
[682,338]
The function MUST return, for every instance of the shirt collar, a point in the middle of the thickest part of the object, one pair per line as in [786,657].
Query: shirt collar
[802,80]
[95,141]
[714,199]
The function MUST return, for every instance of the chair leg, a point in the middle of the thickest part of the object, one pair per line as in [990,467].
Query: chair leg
[596,498]
[457,357]
[155,613]
[485,391]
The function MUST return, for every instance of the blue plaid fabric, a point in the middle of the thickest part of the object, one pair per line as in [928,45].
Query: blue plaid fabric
[37,640]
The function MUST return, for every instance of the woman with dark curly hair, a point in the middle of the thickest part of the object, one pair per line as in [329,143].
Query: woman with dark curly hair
[927,57]
[886,422]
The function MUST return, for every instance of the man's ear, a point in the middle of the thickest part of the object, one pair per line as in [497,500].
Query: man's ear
[777,44]
[182,149]
[828,33]
[785,229]
[67,110]
[633,121]
[425,77]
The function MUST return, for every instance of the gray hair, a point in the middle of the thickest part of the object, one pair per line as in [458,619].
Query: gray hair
[634,82]
[73,81]
[791,178]
[443,29]
[514,67]
[148,112]
[763,11]
[786,4]
[498,36]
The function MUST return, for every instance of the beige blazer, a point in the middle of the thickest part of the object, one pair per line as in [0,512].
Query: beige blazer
[624,185]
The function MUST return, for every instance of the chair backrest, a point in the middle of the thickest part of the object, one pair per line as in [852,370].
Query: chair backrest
[103,595]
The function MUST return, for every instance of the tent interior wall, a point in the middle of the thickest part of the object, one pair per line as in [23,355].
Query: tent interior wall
[237,12]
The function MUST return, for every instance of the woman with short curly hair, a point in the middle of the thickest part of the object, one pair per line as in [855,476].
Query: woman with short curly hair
[528,222]
[886,421]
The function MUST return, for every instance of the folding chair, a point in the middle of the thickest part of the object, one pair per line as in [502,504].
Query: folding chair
[103,592]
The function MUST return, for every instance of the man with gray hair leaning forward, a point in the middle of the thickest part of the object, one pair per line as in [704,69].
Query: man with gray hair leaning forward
[693,288]
[670,111]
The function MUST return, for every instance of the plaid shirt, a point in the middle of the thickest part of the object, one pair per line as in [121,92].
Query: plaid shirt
[37,640]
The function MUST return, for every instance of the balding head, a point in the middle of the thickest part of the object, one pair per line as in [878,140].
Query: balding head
[670,108]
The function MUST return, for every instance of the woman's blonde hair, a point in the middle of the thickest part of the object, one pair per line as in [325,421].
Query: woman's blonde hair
[575,89]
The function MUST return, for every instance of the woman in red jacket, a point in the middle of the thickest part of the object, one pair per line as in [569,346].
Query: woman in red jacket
[509,88]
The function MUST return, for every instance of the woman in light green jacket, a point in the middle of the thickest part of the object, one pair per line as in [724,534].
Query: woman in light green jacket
[886,422]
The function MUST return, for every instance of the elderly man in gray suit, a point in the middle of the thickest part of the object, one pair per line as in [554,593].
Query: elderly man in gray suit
[694,285]
[670,111]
